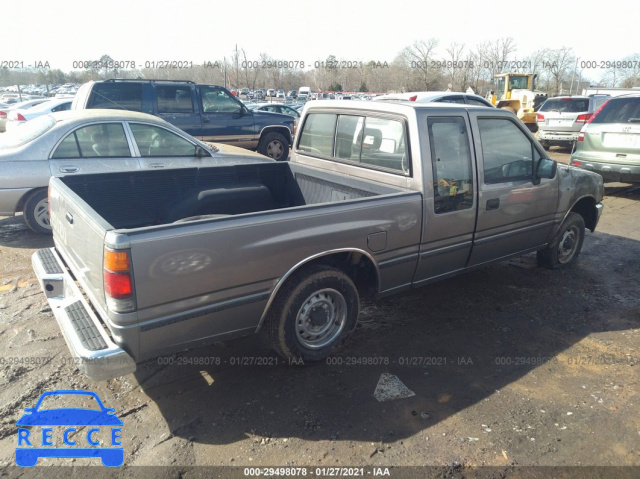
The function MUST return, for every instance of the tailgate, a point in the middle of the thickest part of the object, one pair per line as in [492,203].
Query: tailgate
[78,234]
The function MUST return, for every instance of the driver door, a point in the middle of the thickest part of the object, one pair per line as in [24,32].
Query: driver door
[514,214]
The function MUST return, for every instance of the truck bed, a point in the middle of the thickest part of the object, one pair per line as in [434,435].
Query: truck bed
[146,198]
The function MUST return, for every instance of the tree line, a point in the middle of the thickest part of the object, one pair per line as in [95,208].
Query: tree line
[423,65]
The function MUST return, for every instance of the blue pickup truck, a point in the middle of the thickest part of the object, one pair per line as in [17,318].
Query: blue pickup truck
[207,112]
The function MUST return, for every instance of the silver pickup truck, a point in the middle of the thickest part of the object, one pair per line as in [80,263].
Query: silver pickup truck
[377,198]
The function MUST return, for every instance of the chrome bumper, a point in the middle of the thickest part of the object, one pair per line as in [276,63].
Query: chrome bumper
[94,353]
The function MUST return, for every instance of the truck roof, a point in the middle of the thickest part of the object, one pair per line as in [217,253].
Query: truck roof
[400,107]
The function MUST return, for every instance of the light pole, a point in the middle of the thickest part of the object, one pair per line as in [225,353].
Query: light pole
[573,76]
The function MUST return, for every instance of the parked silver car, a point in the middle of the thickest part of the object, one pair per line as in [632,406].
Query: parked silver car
[610,143]
[94,141]
[561,118]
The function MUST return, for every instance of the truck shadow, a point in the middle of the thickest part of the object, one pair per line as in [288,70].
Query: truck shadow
[14,233]
[454,344]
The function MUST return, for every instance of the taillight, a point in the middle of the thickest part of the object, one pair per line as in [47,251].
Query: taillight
[3,114]
[540,117]
[413,98]
[581,134]
[583,118]
[118,284]
[576,163]
[19,117]
[593,117]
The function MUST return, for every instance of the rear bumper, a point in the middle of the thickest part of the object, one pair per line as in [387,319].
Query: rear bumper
[94,353]
[557,137]
[611,171]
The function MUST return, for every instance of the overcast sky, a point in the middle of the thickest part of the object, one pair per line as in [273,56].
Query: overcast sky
[62,31]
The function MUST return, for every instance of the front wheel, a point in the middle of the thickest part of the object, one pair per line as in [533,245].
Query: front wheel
[274,145]
[36,212]
[563,251]
[313,314]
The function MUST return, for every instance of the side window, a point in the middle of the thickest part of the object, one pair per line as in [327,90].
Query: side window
[507,152]
[154,141]
[215,100]
[451,163]
[106,140]
[452,99]
[383,144]
[317,134]
[118,95]
[174,99]
[349,137]
[474,102]
[62,107]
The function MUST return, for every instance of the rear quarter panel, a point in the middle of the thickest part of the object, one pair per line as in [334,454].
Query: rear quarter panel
[208,278]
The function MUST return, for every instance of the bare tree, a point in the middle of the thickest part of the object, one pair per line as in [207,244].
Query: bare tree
[453,66]
[559,66]
[419,57]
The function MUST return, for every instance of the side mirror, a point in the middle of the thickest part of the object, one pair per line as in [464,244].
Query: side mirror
[201,152]
[546,168]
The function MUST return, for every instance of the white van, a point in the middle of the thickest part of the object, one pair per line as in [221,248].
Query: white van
[305,91]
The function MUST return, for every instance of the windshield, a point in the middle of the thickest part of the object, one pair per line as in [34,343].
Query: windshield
[566,105]
[26,132]
[517,82]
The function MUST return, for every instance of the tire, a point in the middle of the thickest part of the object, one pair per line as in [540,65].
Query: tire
[274,145]
[565,248]
[36,212]
[325,291]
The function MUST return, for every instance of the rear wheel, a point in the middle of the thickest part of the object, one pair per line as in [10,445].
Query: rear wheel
[36,212]
[274,145]
[313,314]
[566,246]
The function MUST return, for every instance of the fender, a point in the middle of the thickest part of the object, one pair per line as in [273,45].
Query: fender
[305,261]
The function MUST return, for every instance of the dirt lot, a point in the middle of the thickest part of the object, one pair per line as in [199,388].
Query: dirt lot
[511,366]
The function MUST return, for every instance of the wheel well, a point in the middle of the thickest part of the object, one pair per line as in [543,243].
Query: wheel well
[586,208]
[25,198]
[357,266]
[283,130]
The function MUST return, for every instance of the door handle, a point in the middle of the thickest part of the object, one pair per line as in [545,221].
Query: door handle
[205,119]
[156,165]
[493,204]
[69,169]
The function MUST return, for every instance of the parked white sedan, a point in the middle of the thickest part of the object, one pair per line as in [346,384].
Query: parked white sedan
[23,105]
[94,141]
[18,116]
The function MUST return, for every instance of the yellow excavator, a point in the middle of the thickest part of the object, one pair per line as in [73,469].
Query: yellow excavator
[516,92]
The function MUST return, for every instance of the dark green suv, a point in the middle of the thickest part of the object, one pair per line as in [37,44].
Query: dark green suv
[207,112]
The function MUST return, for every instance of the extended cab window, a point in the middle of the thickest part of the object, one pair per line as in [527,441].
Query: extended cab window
[155,141]
[451,163]
[507,152]
[317,134]
[116,95]
[215,100]
[377,142]
[174,99]
[384,144]
[95,141]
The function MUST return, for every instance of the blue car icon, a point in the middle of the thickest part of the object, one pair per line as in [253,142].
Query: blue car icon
[93,420]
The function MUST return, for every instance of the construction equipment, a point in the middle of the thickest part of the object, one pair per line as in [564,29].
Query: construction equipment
[516,92]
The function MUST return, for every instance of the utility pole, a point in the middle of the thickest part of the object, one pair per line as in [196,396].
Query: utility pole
[574,75]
